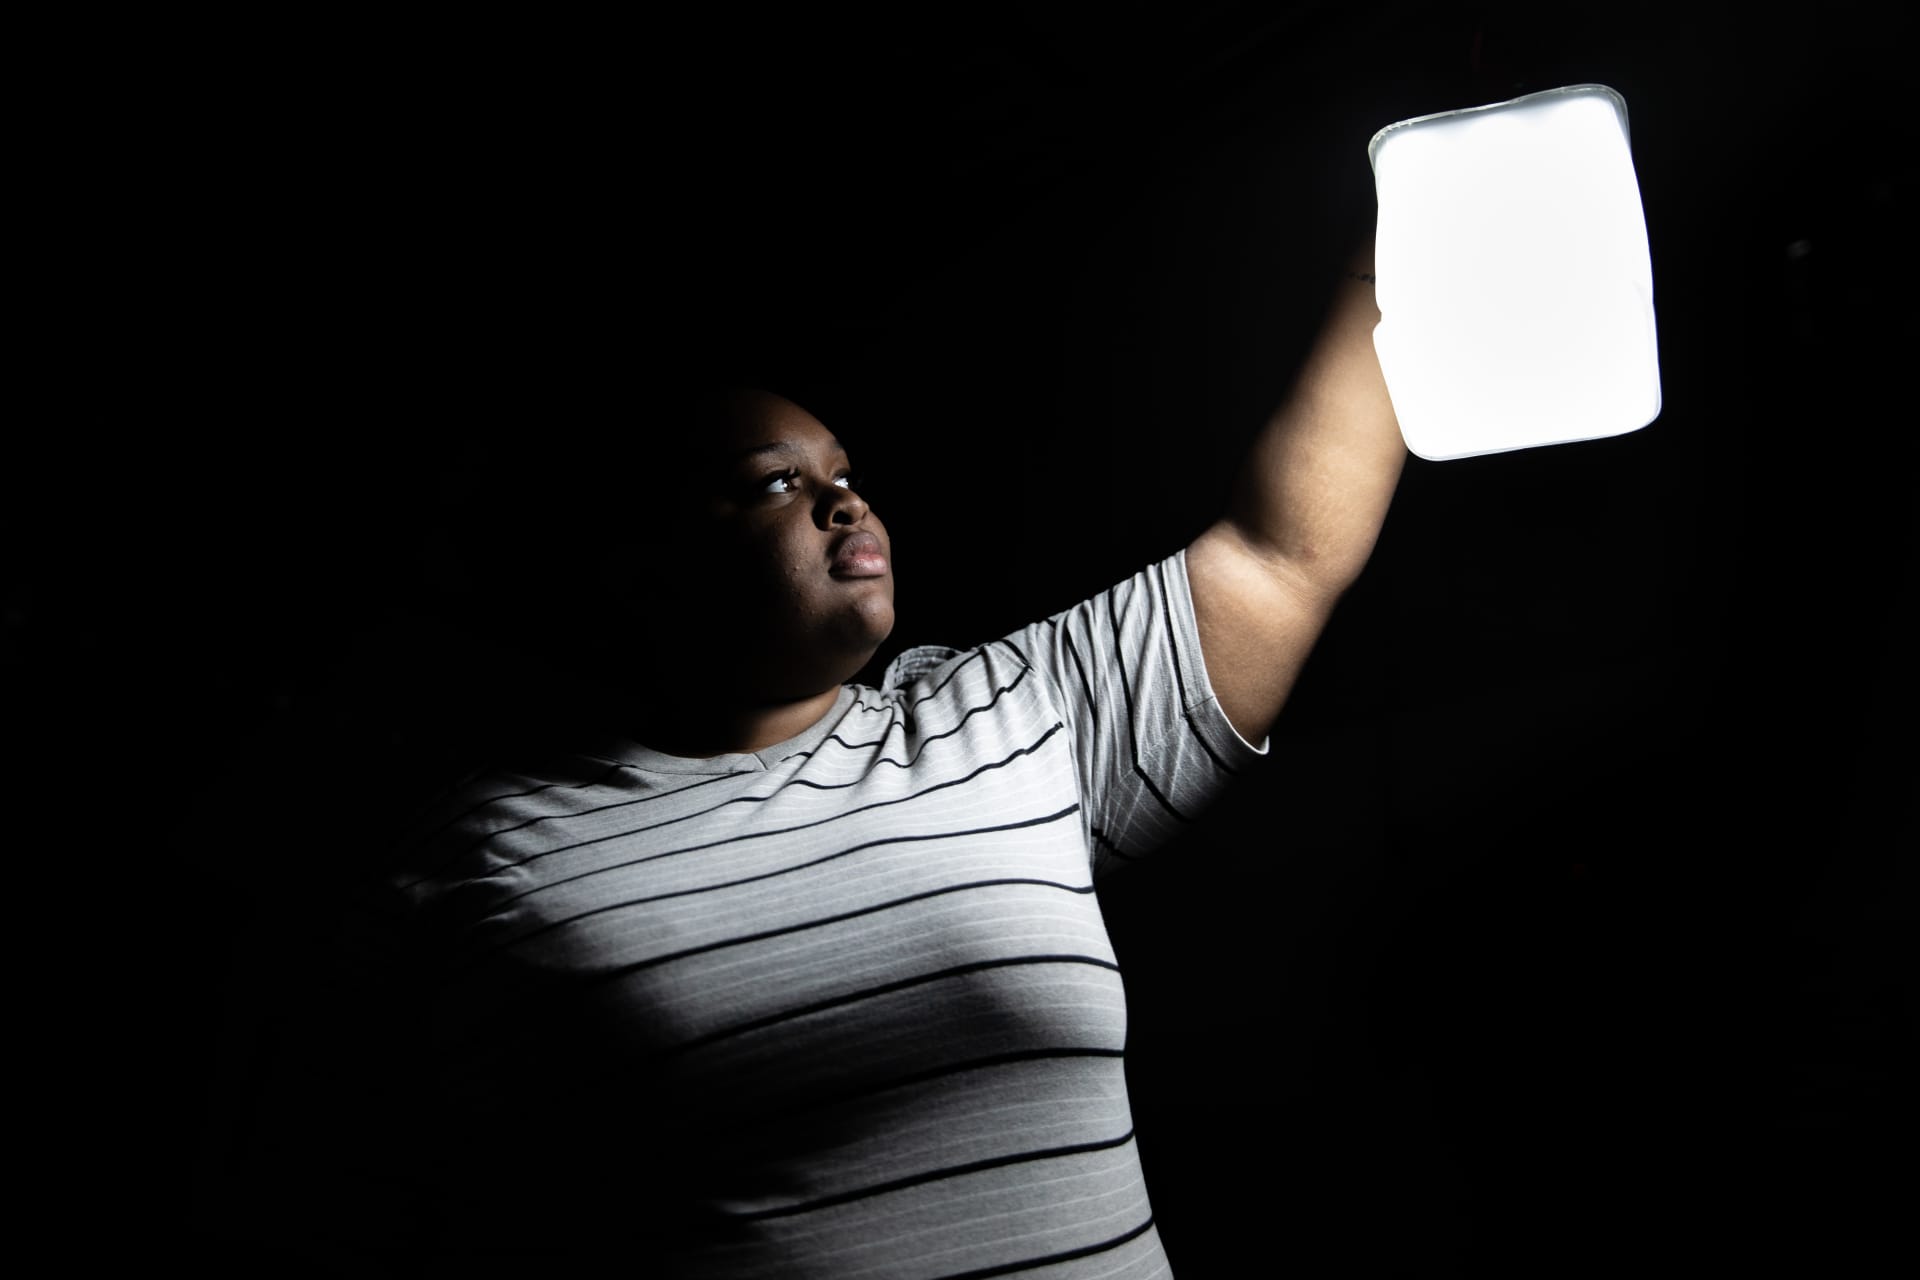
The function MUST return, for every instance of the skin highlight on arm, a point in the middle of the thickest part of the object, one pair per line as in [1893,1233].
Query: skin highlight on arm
[1307,509]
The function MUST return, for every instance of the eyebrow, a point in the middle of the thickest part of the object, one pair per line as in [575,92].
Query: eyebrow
[784,446]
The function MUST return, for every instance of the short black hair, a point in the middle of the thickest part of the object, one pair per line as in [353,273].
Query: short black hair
[565,476]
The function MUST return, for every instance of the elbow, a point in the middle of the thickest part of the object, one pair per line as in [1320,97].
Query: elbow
[1301,569]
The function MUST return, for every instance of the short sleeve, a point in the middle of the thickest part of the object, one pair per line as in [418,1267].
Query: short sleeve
[1152,745]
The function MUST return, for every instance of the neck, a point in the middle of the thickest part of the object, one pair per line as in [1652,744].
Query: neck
[699,731]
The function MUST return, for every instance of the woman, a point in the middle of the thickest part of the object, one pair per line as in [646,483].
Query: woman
[785,976]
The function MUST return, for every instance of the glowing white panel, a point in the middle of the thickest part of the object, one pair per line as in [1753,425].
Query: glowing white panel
[1514,282]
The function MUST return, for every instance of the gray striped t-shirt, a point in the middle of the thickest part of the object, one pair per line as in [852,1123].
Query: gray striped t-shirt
[844,1007]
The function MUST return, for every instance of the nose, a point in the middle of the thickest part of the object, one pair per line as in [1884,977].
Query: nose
[839,506]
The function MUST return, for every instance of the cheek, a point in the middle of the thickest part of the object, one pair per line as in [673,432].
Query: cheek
[780,578]
[758,558]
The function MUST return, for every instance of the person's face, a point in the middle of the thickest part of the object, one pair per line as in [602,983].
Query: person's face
[788,563]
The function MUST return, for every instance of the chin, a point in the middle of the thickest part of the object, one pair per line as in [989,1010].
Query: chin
[866,641]
[867,622]
[879,623]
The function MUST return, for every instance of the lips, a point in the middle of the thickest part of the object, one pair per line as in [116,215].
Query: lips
[859,555]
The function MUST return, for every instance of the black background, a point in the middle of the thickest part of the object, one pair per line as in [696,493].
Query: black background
[1566,923]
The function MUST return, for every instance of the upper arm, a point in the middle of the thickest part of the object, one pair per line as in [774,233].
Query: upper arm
[1259,615]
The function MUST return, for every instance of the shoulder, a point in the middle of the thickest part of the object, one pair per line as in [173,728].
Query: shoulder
[916,664]
[507,801]
[985,691]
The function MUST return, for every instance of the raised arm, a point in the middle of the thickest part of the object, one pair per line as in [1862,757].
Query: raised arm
[1306,510]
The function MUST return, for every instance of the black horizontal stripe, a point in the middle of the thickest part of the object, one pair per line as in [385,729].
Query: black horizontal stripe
[820,1098]
[881,741]
[937,1175]
[613,768]
[901,764]
[1179,679]
[1018,653]
[935,691]
[906,709]
[760,835]
[818,1101]
[622,971]
[748,799]
[483,840]
[964,1065]
[623,905]
[1009,1268]
[885,989]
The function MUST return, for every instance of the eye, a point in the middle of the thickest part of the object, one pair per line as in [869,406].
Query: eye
[785,482]
[790,481]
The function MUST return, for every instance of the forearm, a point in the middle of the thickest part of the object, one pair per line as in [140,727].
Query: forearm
[1315,487]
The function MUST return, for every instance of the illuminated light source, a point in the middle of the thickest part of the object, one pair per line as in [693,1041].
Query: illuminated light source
[1513,277]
